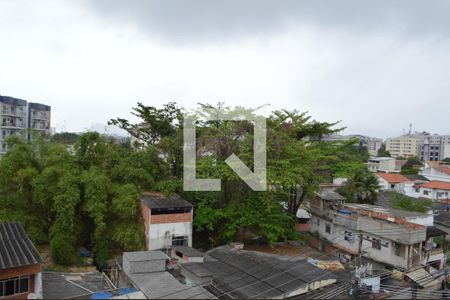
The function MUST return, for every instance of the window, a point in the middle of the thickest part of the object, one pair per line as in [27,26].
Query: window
[376,244]
[180,241]
[348,236]
[328,228]
[14,286]
[397,249]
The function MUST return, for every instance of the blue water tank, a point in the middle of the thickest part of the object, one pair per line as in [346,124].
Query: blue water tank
[102,295]
[126,290]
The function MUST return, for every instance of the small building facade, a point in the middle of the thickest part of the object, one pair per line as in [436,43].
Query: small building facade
[167,220]
[381,164]
[20,264]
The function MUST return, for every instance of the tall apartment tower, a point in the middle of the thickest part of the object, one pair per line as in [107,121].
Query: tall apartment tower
[16,116]
[38,118]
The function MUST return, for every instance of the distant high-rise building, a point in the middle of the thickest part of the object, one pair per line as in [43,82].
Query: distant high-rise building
[38,118]
[424,145]
[18,117]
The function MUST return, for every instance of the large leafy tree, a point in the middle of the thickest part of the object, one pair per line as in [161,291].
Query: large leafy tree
[297,162]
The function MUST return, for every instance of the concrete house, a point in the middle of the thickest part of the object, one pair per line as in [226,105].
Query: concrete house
[434,190]
[394,237]
[381,164]
[20,264]
[168,220]
[391,181]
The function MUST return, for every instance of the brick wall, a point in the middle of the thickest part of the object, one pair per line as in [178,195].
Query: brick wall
[171,218]
[146,216]
[21,271]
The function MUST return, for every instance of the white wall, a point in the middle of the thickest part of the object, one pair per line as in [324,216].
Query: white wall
[337,236]
[433,174]
[156,238]
[434,194]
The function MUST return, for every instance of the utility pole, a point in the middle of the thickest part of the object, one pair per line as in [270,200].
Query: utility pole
[360,249]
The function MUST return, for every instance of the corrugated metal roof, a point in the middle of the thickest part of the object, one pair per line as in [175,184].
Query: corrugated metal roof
[16,249]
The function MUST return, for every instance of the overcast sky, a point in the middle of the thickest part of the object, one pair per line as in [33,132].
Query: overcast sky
[377,65]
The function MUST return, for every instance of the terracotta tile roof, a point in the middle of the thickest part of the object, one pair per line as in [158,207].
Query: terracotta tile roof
[435,184]
[433,164]
[443,169]
[393,177]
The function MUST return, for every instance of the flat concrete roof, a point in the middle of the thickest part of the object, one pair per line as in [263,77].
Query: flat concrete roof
[145,256]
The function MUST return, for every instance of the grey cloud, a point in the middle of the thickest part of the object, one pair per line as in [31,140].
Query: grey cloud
[203,20]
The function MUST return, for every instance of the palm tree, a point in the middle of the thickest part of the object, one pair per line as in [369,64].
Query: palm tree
[361,187]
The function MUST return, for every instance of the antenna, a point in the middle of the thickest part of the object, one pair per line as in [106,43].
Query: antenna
[410,128]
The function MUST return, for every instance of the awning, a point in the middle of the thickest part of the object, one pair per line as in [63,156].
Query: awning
[422,278]
[433,231]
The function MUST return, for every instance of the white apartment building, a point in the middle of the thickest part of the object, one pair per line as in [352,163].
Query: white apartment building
[18,117]
[404,146]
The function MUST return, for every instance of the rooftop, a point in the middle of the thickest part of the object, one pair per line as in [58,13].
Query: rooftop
[56,285]
[435,184]
[329,195]
[16,249]
[444,169]
[161,284]
[381,158]
[443,218]
[189,251]
[247,274]
[386,210]
[12,101]
[145,256]
[393,177]
[159,200]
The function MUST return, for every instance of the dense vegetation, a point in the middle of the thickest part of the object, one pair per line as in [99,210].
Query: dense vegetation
[412,166]
[87,195]
[88,198]
[406,203]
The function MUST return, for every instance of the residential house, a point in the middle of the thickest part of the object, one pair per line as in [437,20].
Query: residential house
[391,181]
[231,272]
[436,171]
[394,237]
[381,164]
[168,220]
[434,190]
[20,264]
